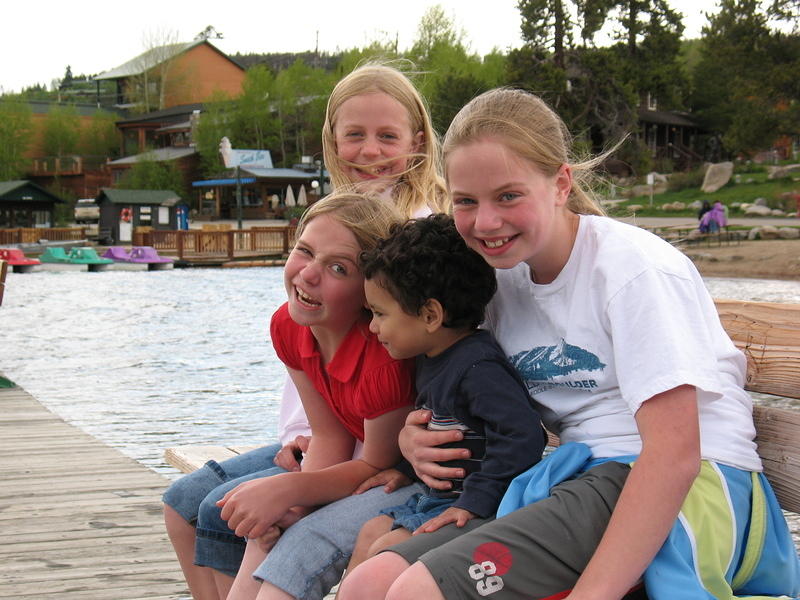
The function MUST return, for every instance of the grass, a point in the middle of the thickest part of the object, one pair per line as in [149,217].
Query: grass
[760,187]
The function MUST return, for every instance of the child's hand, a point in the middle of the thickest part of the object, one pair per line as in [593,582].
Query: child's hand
[390,479]
[459,516]
[269,539]
[289,456]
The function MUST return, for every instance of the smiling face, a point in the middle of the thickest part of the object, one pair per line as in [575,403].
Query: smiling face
[508,210]
[370,130]
[402,334]
[322,279]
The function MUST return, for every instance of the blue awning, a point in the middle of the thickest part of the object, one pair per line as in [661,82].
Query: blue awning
[212,182]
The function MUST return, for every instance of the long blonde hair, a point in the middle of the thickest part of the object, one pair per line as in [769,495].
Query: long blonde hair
[531,129]
[421,184]
[369,218]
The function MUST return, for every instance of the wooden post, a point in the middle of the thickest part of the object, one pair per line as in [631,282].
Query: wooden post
[286,240]
[3,272]
[180,244]
[231,241]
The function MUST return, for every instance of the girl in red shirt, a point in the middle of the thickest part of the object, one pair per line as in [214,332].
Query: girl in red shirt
[350,387]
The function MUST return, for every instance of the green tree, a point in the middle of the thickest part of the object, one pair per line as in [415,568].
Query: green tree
[254,124]
[15,129]
[300,96]
[216,122]
[62,130]
[150,174]
[101,137]
[746,81]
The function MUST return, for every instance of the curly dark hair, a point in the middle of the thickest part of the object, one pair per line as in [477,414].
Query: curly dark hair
[427,258]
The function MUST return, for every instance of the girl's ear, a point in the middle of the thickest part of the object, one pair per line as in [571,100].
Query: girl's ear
[432,313]
[419,142]
[563,183]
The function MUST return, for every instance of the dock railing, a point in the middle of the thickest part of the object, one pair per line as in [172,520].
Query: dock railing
[195,242]
[31,235]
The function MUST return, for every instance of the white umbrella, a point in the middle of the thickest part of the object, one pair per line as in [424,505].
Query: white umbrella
[274,201]
[289,200]
[301,197]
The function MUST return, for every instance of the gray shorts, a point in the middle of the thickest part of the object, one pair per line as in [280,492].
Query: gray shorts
[535,552]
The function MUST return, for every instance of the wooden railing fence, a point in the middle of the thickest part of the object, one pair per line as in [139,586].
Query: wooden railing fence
[193,242]
[31,235]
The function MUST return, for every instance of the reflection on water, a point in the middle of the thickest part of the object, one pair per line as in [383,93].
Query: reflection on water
[148,360]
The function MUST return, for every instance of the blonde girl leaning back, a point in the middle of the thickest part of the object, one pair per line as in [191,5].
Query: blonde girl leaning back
[622,350]
[378,133]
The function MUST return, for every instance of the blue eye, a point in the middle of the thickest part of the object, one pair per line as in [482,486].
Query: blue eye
[509,196]
[339,269]
[463,201]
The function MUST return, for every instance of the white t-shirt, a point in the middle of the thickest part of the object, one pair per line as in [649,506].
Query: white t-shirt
[627,318]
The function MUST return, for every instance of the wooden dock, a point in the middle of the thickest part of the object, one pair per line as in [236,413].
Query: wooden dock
[79,520]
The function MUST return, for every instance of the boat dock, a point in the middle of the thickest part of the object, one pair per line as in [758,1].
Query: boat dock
[79,519]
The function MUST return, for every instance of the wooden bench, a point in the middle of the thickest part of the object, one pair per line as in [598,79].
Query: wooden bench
[769,336]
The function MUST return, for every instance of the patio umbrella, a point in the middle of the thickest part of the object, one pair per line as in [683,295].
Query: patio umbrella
[274,201]
[289,200]
[301,197]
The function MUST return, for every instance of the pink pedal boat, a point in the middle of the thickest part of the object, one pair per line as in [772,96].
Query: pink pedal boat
[18,261]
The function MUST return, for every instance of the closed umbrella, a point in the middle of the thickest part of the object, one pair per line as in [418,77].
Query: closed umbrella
[301,197]
[289,200]
[274,201]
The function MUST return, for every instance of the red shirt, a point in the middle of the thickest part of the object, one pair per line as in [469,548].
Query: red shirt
[361,381]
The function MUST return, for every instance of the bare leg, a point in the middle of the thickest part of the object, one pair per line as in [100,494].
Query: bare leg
[415,582]
[370,532]
[245,587]
[270,592]
[373,578]
[182,535]
[223,582]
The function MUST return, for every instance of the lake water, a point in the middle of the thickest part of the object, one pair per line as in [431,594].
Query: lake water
[147,360]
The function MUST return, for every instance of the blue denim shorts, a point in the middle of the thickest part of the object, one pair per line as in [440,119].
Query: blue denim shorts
[418,509]
[311,555]
[194,497]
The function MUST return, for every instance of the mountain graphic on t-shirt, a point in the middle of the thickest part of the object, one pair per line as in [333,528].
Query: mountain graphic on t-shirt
[546,362]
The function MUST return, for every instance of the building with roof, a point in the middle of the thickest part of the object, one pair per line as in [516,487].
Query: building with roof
[216,197]
[121,211]
[174,75]
[26,204]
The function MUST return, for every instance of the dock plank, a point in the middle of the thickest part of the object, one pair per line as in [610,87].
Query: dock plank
[80,520]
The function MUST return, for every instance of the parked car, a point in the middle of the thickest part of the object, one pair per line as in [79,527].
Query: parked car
[87,211]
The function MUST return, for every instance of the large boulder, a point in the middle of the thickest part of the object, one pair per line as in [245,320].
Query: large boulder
[717,175]
[789,233]
[782,171]
[754,210]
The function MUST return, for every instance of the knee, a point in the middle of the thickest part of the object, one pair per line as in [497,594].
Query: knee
[209,514]
[374,529]
[415,582]
[373,578]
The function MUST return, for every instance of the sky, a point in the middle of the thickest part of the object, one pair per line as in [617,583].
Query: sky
[93,36]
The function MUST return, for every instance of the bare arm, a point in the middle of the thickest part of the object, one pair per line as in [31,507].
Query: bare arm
[327,472]
[651,498]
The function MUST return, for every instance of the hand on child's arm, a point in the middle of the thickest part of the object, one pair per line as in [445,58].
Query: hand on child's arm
[459,516]
[289,456]
[419,446]
[390,479]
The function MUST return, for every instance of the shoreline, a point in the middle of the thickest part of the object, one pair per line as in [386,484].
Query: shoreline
[757,259]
